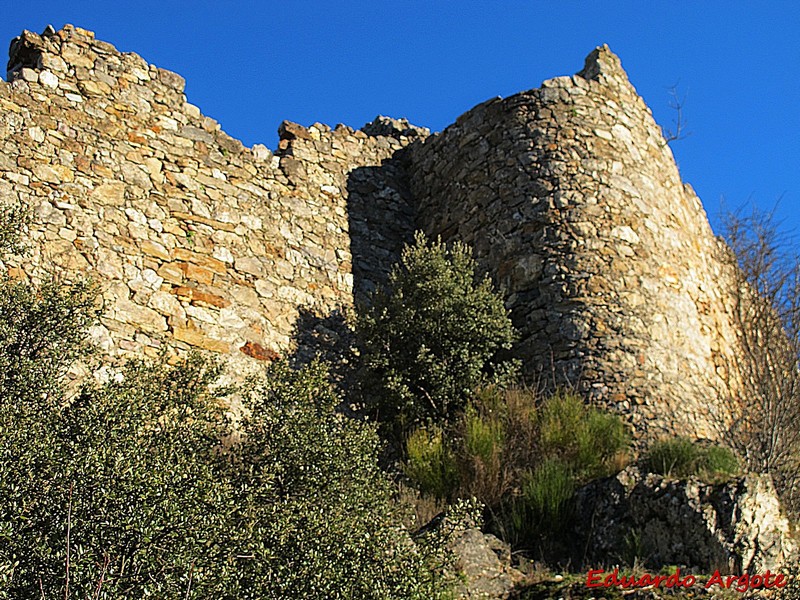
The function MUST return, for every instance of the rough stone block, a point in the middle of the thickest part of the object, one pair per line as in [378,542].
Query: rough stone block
[196,338]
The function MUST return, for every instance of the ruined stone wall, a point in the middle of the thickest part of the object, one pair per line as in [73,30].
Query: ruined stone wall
[568,195]
[195,240]
[572,201]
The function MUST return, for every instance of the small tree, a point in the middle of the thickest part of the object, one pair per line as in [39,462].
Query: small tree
[433,335]
[43,330]
[314,515]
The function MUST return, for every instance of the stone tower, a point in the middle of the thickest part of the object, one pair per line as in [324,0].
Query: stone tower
[571,199]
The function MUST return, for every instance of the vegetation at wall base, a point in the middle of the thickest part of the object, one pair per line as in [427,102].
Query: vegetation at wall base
[682,457]
[122,489]
[522,455]
[432,336]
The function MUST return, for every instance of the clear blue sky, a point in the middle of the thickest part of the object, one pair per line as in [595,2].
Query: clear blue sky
[252,64]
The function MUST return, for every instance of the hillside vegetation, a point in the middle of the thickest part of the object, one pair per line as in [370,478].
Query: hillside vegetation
[137,484]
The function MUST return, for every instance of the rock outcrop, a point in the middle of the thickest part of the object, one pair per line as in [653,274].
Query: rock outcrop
[568,194]
[484,564]
[737,527]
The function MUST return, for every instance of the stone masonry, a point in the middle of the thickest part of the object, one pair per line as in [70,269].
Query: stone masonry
[196,240]
[568,195]
[571,199]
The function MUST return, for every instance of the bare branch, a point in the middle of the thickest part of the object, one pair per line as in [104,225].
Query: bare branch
[69,531]
[678,130]
[762,377]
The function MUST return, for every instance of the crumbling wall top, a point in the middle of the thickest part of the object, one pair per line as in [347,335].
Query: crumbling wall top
[602,63]
[62,59]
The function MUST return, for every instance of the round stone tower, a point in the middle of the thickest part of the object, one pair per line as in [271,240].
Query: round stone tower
[573,203]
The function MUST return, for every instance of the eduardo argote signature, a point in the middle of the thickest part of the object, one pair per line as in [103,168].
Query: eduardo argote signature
[741,583]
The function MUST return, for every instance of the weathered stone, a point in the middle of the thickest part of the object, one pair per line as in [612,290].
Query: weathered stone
[259,352]
[48,79]
[202,260]
[250,265]
[139,316]
[29,75]
[484,564]
[109,193]
[204,220]
[567,195]
[201,298]
[738,526]
[196,273]
[166,304]
[155,249]
[196,338]
[171,272]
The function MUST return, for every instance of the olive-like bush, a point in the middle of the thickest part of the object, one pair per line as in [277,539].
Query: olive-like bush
[432,336]
[123,489]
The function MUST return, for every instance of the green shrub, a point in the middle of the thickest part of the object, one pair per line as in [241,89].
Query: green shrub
[124,491]
[718,464]
[488,452]
[42,333]
[581,436]
[432,337]
[14,219]
[128,479]
[673,457]
[120,480]
[682,457]
[572,443]
[484,436]
[430,463]
[546,493]
[313,508]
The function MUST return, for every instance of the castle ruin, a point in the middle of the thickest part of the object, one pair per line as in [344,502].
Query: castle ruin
[568,195]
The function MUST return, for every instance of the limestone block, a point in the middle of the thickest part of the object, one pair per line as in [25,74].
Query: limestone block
[195,337]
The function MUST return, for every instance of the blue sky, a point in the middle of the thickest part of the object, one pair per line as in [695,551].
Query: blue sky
[252,64]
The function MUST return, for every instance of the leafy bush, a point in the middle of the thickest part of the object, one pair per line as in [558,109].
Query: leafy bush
[127,486]
[124,491]
[683,457]
[42,332]
[432,337]
[14,219]
[320,523]
[114,487]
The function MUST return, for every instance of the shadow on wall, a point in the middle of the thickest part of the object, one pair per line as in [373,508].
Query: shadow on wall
[325,337]
[381,215]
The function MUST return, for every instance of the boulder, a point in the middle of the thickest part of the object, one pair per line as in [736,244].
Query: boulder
[484,563]
[736,526]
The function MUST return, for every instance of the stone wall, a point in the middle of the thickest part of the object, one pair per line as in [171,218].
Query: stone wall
[571,198]
[194,239]
[568,194]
